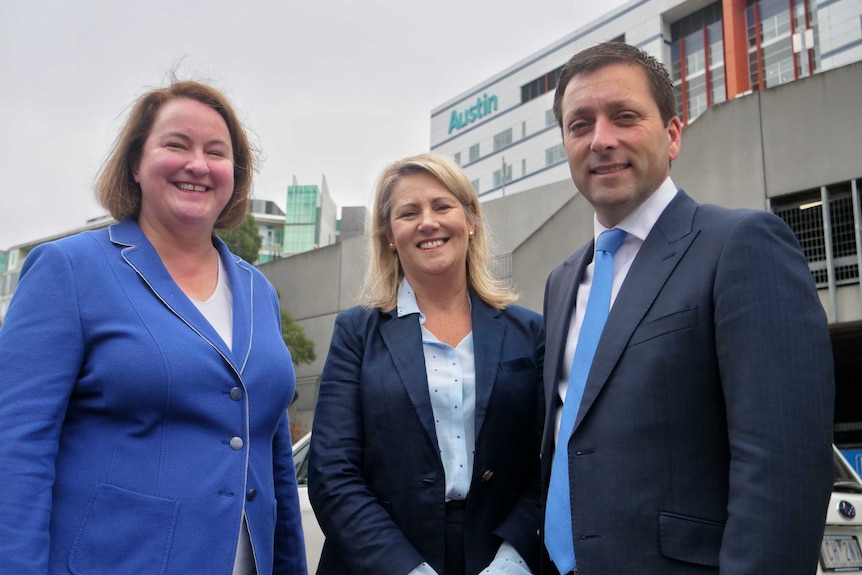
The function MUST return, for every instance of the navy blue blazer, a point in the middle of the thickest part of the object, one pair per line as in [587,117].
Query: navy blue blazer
[703,441]
[376,480]
[133,437]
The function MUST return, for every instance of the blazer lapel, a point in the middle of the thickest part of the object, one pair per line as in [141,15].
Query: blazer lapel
[660,253]
[488,333]
[242,289]
[141,256]
[559,319]
[403,339]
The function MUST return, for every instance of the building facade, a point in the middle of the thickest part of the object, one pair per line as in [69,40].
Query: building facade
[503,132]
[310,220]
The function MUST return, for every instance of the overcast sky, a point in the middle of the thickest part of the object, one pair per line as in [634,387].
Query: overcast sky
[336,88]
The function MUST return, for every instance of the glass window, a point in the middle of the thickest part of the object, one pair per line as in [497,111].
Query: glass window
[475,184]
[457,158]
[555,154]
[502,139]
[498,176]
[474,152]
[550,120]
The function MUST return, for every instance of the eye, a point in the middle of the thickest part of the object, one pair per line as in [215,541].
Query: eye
[578,126]
[406,214]
[175,145]
[627,117]
[442,208]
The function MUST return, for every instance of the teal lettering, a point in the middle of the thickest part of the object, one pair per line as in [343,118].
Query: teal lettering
[455,122]
[484,106]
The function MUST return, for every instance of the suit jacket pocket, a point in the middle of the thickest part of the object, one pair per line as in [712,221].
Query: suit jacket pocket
[690,539]
[124,532]
[676,321]
[518,364]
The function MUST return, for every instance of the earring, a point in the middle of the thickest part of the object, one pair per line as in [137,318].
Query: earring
[471,234]
[391,247]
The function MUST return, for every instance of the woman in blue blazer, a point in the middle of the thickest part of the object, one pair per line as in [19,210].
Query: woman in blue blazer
[145,378]
[424,448]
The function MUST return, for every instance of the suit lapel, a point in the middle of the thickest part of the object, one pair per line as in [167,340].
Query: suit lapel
[141,256]
[488,333]
[659,255]
[242,286]
[403,339]
[559,319]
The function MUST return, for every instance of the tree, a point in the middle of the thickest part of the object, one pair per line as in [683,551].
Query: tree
[244,240]
[300,345]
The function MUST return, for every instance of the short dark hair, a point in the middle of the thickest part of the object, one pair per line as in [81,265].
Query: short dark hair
[116,188]
[607,53]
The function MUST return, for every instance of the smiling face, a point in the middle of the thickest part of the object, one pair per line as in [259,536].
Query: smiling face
[430,230]
[186,171]
[618,148]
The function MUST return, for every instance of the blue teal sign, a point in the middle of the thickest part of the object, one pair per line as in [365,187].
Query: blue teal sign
[484,106]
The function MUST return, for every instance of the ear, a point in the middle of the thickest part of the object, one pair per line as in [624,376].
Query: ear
[674,133]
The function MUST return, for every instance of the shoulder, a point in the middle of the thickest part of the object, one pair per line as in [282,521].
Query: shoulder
[519,314]
[360,316]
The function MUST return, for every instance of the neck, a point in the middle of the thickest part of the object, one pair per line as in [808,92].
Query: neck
[441,294]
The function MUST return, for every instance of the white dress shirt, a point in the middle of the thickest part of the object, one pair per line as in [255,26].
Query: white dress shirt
[637,225]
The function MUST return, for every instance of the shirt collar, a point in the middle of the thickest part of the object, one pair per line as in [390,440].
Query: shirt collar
[407,301]
[640,222]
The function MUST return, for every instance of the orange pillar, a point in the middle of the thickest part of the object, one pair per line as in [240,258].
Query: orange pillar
[736,71]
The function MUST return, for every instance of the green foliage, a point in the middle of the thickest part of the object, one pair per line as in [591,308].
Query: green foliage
[300,345]
[245,240]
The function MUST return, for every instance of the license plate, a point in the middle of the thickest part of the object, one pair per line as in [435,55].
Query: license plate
[840,553]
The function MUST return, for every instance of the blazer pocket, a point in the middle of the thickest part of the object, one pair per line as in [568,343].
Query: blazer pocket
[679,320]
[518,364]
[690,539]
[124,532]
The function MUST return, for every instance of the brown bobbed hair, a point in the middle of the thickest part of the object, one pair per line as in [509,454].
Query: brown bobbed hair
[384,274]
[601,55]
[116,188]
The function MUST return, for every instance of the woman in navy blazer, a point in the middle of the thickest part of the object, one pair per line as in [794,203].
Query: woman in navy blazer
[145,378]
[425,442]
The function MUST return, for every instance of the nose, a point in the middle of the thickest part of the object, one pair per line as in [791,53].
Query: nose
[197,165]
[428,221]
[604,135]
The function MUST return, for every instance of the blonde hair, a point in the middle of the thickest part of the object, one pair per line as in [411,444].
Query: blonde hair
[116,188]
[384,274]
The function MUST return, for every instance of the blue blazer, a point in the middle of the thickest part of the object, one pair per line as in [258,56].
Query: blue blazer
[133,436]
[376,480]
[703,441]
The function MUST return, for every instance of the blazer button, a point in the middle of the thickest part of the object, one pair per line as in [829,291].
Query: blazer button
[487,475]
[236,443]
[236,393]
[252,493]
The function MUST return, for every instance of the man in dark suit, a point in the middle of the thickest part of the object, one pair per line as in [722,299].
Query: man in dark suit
[700,429]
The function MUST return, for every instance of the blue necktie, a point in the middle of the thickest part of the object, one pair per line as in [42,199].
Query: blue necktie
[558,517]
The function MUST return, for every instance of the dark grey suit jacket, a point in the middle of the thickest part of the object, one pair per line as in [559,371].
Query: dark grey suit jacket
[703,442]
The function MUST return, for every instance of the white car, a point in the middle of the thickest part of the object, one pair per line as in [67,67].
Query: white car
[841,550]
[312,532]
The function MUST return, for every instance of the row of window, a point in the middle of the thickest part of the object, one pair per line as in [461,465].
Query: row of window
[804,213]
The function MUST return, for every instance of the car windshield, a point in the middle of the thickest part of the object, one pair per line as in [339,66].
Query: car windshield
[845,480]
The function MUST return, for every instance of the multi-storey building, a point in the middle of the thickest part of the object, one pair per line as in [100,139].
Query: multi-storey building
[310,218]
[503,132]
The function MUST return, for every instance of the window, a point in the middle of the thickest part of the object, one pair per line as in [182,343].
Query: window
[475,184]
[499,180]
[697,62]
[804,214]
[550,120]
[502,139]
[474,152]
[555,155]
[457,158]
[541,85]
